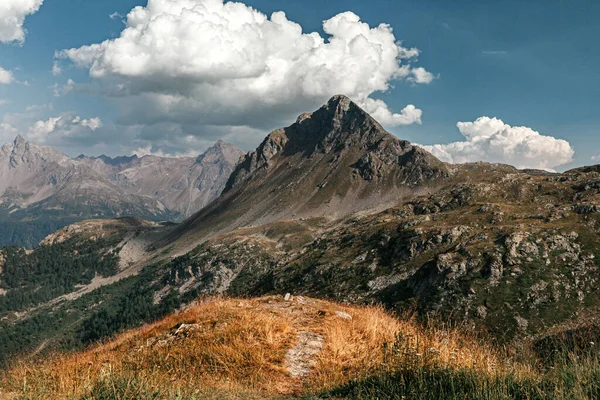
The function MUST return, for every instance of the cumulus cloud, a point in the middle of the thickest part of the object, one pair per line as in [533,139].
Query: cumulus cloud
[6,77]
[420,75]
[210,63]
[12,17]
[40,124]
[53,130]
[490,139]
[380,111]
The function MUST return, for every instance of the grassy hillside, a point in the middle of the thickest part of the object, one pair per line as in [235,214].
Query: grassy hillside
[271,347]
[512,254]
[260,347]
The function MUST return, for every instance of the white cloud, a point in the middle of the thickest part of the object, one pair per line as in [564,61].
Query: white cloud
[67,131]
[53,130]
[7,133]
[596,158]
[380,111]
[12,17]
[420,75]
[209,63]
[116,15]
[490,139]
[6,77]
[56,69]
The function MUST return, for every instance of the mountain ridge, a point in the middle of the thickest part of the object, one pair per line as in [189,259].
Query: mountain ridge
[333,162]
[42,189]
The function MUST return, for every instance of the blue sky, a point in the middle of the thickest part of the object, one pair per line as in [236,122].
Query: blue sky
[527,63]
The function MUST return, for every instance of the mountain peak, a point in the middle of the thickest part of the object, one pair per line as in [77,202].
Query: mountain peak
[338,127]
[340,100]
[19,140]
[219,152]
[333,162]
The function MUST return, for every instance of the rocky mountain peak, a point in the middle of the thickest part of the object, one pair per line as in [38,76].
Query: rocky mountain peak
[333,162]
[21,151]
[337,124]
[340,103]
[220,152]
[341,126]
[19,140]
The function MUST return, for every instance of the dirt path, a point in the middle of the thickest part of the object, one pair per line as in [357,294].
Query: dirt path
[299,359]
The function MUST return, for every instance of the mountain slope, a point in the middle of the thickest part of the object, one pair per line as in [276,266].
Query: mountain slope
[333,162]
[184,185]
[42,190]
[515,254]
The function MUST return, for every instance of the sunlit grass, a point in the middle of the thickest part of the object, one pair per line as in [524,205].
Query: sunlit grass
[235,348]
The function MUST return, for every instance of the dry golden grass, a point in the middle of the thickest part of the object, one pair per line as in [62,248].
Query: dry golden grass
[232,347]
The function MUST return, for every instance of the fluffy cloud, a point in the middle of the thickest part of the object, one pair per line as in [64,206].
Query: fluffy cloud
[420,75]
[53,130]
[380,111]
[209,63]
[12,16]
[6,77]
[66,131]
[490,139]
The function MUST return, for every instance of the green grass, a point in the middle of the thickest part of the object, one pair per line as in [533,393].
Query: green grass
[569,378]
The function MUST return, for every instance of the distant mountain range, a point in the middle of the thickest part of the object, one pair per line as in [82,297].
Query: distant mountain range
[42,189]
